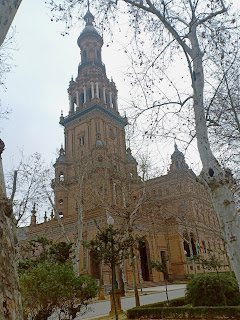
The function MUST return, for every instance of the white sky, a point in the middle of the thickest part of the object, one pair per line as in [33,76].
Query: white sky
[37,85]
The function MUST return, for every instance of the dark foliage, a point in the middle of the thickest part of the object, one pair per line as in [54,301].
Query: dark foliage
[185,312]
[213,290]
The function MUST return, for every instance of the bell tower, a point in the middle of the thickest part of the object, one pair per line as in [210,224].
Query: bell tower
[93,116]
[94,129]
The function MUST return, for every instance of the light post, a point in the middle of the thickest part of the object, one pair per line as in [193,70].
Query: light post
[110,222]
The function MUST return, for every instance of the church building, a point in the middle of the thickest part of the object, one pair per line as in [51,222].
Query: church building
[96,177]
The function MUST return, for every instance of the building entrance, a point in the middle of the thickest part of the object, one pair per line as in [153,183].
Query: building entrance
[94,266]
[144,262]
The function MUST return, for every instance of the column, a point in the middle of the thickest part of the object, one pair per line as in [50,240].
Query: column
[92,89]
[71,107]
[104,95]
[110,99]
[77,99]
[97,90]
[116,103]
[84,95]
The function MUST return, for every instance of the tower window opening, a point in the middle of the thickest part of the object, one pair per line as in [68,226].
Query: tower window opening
[90,94]
[61,215]
[98,54]
[84,54]
[60,201]
[81,141]
[187,243]
[177,164]
[82,98]
[61,177]
[97,127]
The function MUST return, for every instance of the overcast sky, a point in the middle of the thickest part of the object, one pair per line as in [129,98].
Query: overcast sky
[37,84]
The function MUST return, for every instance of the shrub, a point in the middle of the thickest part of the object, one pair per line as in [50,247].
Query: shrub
[178,302]
[213,290]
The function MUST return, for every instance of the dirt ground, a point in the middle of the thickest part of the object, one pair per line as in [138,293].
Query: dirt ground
[121,316]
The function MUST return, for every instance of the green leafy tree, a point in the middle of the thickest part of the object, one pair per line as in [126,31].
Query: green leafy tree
[111,246]
[50,287]
[161,267]
[42,249]
[49,283]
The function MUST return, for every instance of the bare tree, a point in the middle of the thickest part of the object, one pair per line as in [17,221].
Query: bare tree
[222,113]
[31,180]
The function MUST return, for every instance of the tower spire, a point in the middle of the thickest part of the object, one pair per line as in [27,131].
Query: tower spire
[89,18]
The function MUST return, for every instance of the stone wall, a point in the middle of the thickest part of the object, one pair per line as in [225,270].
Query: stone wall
[10,299]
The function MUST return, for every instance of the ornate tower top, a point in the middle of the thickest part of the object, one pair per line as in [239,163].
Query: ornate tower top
[178,160]
[93,119]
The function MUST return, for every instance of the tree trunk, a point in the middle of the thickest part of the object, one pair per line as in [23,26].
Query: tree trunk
[8,10]
[120,281]
[218,180]
[134,279]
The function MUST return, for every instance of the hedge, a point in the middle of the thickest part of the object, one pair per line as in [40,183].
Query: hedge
[178,302]
[185,312]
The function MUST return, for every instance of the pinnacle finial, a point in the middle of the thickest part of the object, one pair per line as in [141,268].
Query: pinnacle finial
[175,144]
[34,209]
[89,18]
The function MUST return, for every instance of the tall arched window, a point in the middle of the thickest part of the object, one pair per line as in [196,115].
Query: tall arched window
[90,94]
[186,245]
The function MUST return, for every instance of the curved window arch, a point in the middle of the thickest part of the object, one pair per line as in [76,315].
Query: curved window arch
[61,177]
[186,245]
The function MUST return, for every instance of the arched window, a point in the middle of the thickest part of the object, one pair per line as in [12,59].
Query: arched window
[187,247]
[90,94]
[60,214]
[82,98]
[61,177]
[60,201]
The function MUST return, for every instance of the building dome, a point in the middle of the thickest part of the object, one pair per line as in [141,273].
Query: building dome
[61,157]
[89,29]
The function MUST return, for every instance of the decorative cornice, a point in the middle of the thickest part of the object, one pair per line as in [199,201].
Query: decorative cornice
[67,120]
